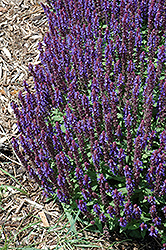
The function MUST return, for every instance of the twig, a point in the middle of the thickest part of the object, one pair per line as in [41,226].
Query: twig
[18,163]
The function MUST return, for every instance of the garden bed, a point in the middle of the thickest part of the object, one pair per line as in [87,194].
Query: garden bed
[22,205]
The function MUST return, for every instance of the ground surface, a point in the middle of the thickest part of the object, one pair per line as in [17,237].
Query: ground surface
[22,215]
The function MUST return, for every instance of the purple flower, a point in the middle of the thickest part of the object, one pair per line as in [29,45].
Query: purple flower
[101,181]
[107,187]
[111,211]
[153,211]
[160,172]
[164,210]
[164,246]
[143,226]
[102,217]
[79,174]
[153,231]
[74,148]
[61,180]
[97,209]
[104,74]
[82,206]
[128,210]
[86,181]
[85,194]
[113,166]
[123,222]
[137,170]
[96,159]
[129,181]
[118,201]
[137,212]
[157,221]
[121,159]
[61,196]
[151,200]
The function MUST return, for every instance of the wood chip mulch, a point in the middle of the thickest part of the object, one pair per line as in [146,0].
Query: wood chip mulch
[25,219]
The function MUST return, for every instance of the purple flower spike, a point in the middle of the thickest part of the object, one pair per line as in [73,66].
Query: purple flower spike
[137,212]
[153,231]
[164,211]
[102,217]
[93,126]
[129,180]
[113,166]
[87,181]
[118,201]
[82,206]
[151,200]
[143,226]
[111,211]
[61,196]
[101,181]
[80,176]
[123,222]
[128,211]
[153,211]
[157,221]
[85,194]
[97,209]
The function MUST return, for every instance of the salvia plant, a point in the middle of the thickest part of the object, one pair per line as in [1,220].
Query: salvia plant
[93,131]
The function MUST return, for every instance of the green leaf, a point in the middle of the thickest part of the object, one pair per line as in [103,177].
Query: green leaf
[143,233]
[18,189]
[71,220]
[63,128]
[90,203]
[121,230]
[133,227]
[135,234]
[127,159]
[123,190]
[105,26]
[119,115]
[94,187]
[145,219]
[144,32]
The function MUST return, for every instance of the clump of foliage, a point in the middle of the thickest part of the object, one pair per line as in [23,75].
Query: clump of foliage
[94,129]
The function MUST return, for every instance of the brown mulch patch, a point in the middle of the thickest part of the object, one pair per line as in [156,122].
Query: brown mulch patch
[25,219]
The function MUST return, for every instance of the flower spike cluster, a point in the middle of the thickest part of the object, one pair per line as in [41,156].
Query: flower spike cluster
[94,129]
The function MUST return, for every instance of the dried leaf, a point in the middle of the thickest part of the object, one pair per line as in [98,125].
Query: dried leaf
[14,92]
[2,92]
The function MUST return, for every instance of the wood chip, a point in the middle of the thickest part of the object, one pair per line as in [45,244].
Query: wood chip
[33,203]
[19,207]
[35,37]
[3,9]
[3,139]
[44,219]
[7,52]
